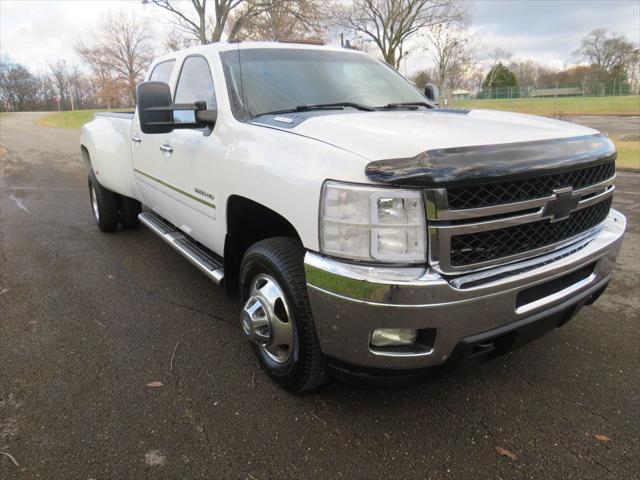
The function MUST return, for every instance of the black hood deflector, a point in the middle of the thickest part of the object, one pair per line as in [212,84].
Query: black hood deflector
[476,164]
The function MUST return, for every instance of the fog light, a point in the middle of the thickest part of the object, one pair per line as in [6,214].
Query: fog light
[393,337]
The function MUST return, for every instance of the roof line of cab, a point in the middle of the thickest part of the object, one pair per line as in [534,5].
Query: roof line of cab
[235,44]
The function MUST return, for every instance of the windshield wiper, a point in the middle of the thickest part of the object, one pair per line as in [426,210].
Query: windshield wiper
[409,105]
[321,106]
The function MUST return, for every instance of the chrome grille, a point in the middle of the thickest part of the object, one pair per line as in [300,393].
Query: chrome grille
[486,235]
[498,193]
[481,247]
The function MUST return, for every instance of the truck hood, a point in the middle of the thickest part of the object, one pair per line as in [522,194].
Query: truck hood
[436,147]
[401,134]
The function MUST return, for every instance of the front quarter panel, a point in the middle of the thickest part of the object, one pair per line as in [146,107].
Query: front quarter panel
[284,172]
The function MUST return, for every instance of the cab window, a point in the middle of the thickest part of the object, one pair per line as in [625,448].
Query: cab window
[195,83]
[162,71]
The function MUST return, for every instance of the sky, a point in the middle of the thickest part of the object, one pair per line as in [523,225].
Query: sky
[548,30]
[34,32]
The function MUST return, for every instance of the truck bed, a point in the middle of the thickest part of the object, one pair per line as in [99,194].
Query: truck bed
[108,138]
[127,115]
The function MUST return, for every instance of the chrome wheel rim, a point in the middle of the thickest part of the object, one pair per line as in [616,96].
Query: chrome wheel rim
[266,318]
[94,204]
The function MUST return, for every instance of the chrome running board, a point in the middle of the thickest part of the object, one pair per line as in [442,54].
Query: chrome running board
[198,255]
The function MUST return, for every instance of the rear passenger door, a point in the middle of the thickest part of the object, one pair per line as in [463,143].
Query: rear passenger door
[191,167]
[148,157]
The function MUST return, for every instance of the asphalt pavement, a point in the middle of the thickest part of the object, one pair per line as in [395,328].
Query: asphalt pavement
[611,125]
[88,320]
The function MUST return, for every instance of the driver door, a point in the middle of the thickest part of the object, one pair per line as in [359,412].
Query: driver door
[189,171]
[149,154]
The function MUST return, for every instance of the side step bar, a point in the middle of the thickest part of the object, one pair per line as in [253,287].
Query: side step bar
[206,262]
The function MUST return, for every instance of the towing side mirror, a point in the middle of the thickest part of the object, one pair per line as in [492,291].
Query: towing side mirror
[158,115]
[432,93]
[152,95]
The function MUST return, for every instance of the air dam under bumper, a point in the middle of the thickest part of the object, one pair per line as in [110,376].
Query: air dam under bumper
[349,301]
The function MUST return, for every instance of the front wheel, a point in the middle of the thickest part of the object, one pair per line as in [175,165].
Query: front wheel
[276,315]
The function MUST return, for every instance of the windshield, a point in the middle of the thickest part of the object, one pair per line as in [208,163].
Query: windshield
[272,80]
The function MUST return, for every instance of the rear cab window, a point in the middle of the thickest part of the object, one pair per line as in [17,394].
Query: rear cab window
[162,71]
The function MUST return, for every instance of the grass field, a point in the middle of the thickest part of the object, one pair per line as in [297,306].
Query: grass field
[73,120]
[628,154]
[558,107]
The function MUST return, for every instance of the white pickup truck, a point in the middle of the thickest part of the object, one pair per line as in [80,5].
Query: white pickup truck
[365,230]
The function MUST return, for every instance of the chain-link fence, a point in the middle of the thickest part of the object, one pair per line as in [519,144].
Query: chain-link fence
[556,90]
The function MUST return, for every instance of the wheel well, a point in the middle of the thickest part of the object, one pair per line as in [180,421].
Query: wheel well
[86,158]
[247,223]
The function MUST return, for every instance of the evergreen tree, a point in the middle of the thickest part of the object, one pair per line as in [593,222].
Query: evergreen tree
[500,76]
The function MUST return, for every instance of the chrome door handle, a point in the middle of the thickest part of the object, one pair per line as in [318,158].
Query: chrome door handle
[136,139]
[166,148]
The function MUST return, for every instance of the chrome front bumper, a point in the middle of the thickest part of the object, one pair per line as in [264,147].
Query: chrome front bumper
[349,301]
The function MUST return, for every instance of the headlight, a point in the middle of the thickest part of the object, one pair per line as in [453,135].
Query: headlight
[371,223]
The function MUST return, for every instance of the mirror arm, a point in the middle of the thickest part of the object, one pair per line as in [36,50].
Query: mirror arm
[207,116]
[203,116]
[175,125]
[173,107]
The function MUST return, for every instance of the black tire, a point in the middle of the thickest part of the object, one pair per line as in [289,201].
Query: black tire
[105,209]
[130,208]
[282,259]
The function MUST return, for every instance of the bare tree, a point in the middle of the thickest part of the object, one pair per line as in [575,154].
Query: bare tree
[120,43]
[81,90]
[110,91]
[473,79]
[197,27]
[527,73]
[206,20]
[279,20]
[390,23]
[547,76]
[452,51]
[246,17]
[606,50]
[612,57]
[46,94]
[60,80]
[19,89]
[175,39]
